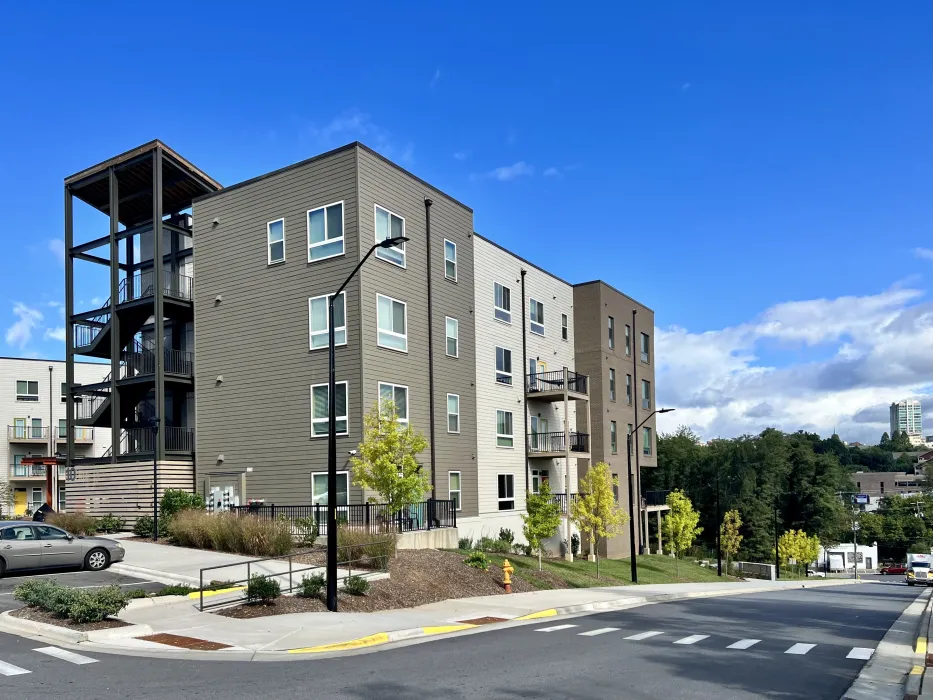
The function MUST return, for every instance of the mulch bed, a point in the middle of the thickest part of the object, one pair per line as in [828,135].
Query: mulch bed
[417,577]
[177,640]
[37,615]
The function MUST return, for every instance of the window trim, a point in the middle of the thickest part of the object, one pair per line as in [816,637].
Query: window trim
[531,323]
[458,491]
[613,437]
[392,333]
[379,386]
[26,396]
[612,384]
[511,435]
[628,340]
[312,332]
[326,241]
[340,473]
[269,242]
[376,208]
[449,414]
[646,441]
[326,419]
[501,308]
[629,390]
[499,499]
[454,261]
[564,327]
[645,403]
[503,372]
[612,332]
[645,355]
[456,338]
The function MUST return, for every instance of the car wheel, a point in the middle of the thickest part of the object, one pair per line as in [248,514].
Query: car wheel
[97,560]
[2,567]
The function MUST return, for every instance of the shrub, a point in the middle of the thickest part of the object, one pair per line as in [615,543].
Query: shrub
[143,526]
[355,585]
[363,549]
[574,544]
[110,523]
[32,593]
[307,531]
[181,589]
[478,560]
[485,544]
[77,523]
[228,532]
[175,500]
[465,543]
[134,593]
[506,535]
[311,586]
[79,605]
[262,589]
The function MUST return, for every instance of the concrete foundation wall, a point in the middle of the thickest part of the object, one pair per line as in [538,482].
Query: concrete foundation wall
[442,538]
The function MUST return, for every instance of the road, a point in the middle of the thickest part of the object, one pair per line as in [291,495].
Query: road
[700,650]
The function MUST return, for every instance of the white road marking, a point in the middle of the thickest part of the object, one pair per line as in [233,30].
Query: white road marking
[11,670]
[743,644]
[692,639]
[860,653]
[555,628]
[65,655]
[643,635]
[603,630]
[800,649]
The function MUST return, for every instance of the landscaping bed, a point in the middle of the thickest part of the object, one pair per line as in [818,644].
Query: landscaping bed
[50,618]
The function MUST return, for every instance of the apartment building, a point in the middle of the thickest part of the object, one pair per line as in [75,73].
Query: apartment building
[33,397]
[907,417]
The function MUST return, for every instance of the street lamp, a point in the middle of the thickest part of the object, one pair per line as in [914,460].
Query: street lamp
[631,523]
[154,426]
[332,430]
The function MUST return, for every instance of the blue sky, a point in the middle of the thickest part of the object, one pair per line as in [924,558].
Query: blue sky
[715,162]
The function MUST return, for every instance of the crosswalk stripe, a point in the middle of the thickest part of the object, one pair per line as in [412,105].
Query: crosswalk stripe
[800,649]
[65,655]
[554,628]
[743,644]
[863,653]
[603,630]
[11,670]
[643,635]
[692,639]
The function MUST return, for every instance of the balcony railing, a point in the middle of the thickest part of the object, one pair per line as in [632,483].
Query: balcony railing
[179,439]
[554,442]
[656,498]
[27,433]
[554,381]
[140,440]
[27,471]
[142,284]
[561,500]
[81,434]
[140,361]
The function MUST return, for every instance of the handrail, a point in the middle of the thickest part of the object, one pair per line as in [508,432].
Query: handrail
[554,442]
[554,381]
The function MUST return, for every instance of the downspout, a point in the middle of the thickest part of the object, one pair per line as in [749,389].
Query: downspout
[525,369]
[427,217]
[637,398]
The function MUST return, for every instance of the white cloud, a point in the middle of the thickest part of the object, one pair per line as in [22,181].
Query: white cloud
[923,253]
[554,171]
[56,247]
[54,334]
[19,334]
[461,155]
[356,125]
[437,76]
[508,172]
[869,351]
[551,172]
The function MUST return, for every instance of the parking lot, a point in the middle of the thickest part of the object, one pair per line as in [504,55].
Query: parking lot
[79,579]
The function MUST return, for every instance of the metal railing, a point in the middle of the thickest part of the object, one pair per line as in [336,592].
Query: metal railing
[140,361]
[27,432]
[27,471]
[179,439]
[656,498]
[554,381]
[142,284]
[140,440]
[554,442]
[81,434]
[561,500]
[87,407]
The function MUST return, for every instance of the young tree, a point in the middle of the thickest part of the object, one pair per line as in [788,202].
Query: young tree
[595,511]
[6,499]
[729,537]
[542,518]
[387,462]
[680,525]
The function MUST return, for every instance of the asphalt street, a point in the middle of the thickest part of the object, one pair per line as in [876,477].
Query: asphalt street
[804,644]
[78,579]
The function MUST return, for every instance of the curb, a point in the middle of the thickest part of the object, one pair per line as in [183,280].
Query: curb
[154,574]
[915,677]
[31,628]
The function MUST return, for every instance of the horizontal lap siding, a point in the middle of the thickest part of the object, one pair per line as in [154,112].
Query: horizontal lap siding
[124,489]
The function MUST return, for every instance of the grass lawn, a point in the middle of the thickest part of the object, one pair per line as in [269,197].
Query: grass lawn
[652,568]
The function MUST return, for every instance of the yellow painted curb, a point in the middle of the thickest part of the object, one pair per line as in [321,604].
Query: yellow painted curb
[916,670]
[371,640]
[219,591]
[444,629]
[538,615]
[921,647]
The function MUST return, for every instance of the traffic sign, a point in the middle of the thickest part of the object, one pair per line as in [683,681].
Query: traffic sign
[862,498]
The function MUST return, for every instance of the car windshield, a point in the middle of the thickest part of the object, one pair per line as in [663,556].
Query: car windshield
[921,565]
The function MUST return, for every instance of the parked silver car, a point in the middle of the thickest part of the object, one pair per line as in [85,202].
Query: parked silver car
[28,545]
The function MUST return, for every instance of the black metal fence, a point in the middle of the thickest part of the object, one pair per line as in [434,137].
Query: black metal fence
[656,498]
[554,442]
[370,517]
[554,381]
[561,500]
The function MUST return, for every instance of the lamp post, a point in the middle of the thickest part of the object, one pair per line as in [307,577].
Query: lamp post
[332,430]
[777,560]
[154,426]
[631,487]
[718,526]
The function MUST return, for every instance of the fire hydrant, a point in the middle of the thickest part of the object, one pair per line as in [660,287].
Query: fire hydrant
[507,575]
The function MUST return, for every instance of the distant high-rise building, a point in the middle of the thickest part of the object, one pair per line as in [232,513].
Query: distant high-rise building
[906,418]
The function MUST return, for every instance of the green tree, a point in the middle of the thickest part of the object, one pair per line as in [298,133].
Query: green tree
[595,511]
[729,536]
[541,519]
[680,525]
[885,442]
[387,460]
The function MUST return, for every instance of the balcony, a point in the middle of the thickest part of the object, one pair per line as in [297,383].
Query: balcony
[556,386]
[82,435]
[27,471]
[551,445]
[561,500]
[654,499]
[140,441]
[140,362]
[27,433]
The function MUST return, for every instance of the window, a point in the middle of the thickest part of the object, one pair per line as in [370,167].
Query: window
[453,334]
[613,439]
[538,477]
[398,394]
[612,333]
[646,440]
[615,488]
[392,325]
[275,240]
[62,428]
[645,393]
[503,302]
[564,331]
[453,488]
[317,320]
[319,415]
[453,413]
[37,499]
[389,225]
[612,384]
[503,366]
[19,532]
[36,429]
[19,469]
[645,346]
[506,491]
[47,532]
[628,389]
[537,317]
[325,232]
[27,391]
[628,340]
[631,448]
[319,488]
[450,260]
[64,392]
[504,436]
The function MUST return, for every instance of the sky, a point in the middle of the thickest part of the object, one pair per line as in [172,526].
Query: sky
[760,176]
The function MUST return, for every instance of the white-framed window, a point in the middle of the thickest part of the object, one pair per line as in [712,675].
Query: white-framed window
[275,241]
[536,315]
[64,392]
[318,318]
[319,406]
[645,348]
[645,393]
[392,323]
[27,391]
[453,413]
[612,333]
[453,337]
[628,340]
[504,436]
[450,260]
[389,225]
[325,232]
[62,428]
[453,489]
[628,389]
[19,469]
[319,488]
[646,440]
[503,301]
[612,384]
[397,393]
[613,437]
[503,366]
[506,491]
[564,330]
[538,477]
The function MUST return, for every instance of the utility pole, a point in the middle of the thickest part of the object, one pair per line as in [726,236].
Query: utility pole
[718,526]
[777,559]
